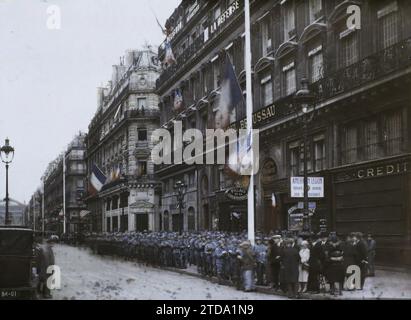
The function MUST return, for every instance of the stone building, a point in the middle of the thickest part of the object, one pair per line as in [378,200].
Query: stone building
[119,145]
[74,172]
[358,140]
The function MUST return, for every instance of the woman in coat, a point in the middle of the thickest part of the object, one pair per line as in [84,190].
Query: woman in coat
[304,266]
[335,271]
[290,260]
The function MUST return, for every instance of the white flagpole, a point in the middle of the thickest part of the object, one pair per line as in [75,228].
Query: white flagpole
[42,208]
[64,194]
[247,56]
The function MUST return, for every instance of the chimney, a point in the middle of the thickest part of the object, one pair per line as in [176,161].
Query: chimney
[100,96]
[114,78]
[129,58]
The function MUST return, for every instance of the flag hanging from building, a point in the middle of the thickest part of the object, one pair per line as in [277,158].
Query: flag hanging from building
[273,200]
[169,58]
[178,100]
[97,179]
[231,97]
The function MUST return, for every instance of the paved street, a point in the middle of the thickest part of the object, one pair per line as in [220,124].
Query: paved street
[88,276]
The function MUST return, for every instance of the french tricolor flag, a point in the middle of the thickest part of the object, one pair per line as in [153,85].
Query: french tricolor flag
[97,179]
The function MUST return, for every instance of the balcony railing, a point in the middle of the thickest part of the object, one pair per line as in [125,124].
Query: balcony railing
[394,58]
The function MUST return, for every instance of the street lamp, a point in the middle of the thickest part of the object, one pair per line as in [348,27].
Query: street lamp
[304,101]
[7,156]
[180,187]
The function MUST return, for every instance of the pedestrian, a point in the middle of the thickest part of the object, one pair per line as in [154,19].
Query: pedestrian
[315,261]
[290,260]
[260,251]
[335,271]
[304,266]
[276,258]
[371,248]
[361,255]
[248,264]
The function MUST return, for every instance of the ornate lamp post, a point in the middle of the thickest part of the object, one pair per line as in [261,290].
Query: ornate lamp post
[180,187]
[7,156]
[304,101]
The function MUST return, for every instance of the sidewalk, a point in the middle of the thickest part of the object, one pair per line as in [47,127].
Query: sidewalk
[387,284]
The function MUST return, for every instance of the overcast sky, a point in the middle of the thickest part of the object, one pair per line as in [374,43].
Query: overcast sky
[48,77]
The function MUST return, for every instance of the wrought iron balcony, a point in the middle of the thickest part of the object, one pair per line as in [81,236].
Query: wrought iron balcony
[373,67]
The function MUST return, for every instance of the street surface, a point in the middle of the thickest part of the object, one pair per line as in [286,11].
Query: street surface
[86,276]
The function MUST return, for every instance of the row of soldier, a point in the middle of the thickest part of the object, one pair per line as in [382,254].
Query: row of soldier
[229,256]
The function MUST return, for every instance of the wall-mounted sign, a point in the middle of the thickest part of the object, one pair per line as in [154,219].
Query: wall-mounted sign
[268,172]
[216,24]
[295,221]
[376,171]
[237,194]
[315,187]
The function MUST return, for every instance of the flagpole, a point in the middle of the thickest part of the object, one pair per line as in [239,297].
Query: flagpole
[64,194]
[247,57]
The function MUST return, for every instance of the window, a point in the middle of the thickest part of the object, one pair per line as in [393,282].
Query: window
[294,158]
[349,48]
[319,153]
[80,183]
[191,179]
[371,139]
[141,103]
[315,9]
[289,22]
[266,90]
[389,24]
[316,64]
[266,37]
[216,74]
[350,144]
[142,168]
[393,133]
[142,135]
[290,83]
[217,12]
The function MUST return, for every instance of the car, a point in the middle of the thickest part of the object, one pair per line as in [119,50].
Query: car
[18,279]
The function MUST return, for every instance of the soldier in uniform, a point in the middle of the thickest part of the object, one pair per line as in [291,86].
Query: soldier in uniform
[260,251]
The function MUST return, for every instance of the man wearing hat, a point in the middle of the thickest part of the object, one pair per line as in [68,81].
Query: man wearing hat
[247,266]
[260,252]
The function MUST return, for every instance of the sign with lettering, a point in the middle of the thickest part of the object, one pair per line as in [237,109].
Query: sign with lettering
[237,193]
[375,171]
[315,187]
[216,24]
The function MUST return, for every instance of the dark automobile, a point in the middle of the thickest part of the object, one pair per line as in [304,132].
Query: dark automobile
[17,279]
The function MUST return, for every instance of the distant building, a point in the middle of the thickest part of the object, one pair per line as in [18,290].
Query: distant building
[75,173]
[118,143]
[16,213]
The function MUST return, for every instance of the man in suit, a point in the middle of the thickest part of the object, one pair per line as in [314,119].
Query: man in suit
[290,260]
[361,255]
[371,247]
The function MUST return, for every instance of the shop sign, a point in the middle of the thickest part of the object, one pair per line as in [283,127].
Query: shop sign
[237,194]
[315,187]
[295,222]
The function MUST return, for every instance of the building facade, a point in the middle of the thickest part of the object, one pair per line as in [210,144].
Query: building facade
[119,145]
[70,164]
[355,55]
